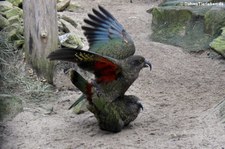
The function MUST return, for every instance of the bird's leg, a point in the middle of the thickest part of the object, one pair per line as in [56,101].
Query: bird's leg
[97,87]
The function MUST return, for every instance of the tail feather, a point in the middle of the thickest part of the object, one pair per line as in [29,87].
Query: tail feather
[83,85]
[65,54]
[79,81]
[81,98]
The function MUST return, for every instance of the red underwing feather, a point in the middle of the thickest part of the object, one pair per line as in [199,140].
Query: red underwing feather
[105,71]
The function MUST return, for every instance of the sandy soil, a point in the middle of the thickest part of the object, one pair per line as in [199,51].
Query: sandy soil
[178,95]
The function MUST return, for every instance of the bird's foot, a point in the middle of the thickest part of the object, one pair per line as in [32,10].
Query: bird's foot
[97,88]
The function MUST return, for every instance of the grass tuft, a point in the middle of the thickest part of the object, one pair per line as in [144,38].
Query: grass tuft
[17,86]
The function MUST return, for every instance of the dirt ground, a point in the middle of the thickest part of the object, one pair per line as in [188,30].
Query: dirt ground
[179,96]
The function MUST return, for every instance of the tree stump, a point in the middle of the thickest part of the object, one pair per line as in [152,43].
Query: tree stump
[41,34]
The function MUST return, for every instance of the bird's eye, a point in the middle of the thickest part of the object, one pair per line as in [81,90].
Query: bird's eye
[136,62]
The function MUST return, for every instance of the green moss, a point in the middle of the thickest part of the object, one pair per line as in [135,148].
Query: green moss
[62,5]
[14,31]
[214,20]
[73,7]
[18,43]
[170,21]
[16,2]
[190,27]
[14,12]
[163,17]
[70,20]
[4,6]
[180,27]
[3,22]
[15,19]
[218,44]
[72,41]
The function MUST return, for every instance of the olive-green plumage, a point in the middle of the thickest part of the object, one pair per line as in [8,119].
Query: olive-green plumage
[81,84]
[112,116]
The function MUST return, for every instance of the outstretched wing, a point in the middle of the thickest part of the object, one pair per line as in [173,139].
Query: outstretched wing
[106,36]
[104,69]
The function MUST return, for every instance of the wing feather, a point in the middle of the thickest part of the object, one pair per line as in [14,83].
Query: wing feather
[105,69]
[104,33]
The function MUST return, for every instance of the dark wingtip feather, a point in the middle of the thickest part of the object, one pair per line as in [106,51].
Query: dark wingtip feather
[100,27]
[66,54]
[82,97]
[104,11]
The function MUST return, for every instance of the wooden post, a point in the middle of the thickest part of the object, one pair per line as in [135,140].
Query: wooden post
[41,34]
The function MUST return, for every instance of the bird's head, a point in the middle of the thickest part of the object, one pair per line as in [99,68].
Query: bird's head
[133,65]
[137,62]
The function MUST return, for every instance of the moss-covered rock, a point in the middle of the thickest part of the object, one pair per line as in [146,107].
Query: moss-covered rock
[14,31]
[16,2]
[214,20]
[71,41]
[14,12]
[15,19]
[189,24]
[73,7]
[67,27]
[70,20]
[4,6]
[18,43]
[3,22]
[12,25]
[218,44]
[61,29]
[62,5]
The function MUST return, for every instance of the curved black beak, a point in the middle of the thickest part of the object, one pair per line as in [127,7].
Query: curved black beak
[140,106]
[148,64]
